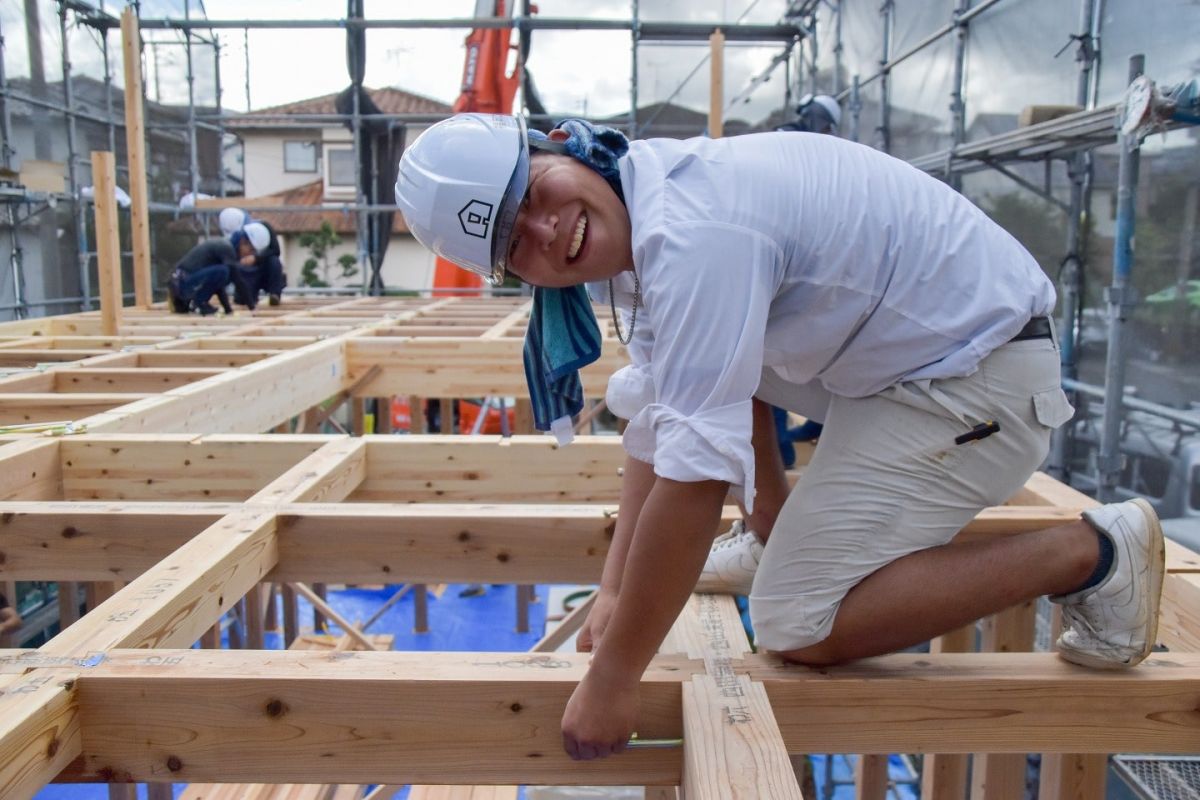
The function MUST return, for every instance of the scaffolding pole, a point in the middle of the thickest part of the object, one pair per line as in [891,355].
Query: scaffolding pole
[884,137]
[1079,171]
[958,106]
[79,215]
[193,160]
[1121,300]
[648,30]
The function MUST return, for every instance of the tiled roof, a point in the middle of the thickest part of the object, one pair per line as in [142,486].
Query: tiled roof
[312,194]
[389,100]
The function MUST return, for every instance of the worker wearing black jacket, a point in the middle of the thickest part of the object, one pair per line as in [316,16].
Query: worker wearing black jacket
[259,268]
[200,274]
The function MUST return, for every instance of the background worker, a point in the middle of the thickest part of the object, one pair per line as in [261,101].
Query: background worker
[925,348]
[259,266]
[201,273]
[815,114]
[10,623]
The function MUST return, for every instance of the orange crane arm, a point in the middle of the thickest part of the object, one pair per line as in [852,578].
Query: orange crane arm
[488,86]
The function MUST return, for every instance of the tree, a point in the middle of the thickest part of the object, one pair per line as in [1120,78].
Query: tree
[320,245]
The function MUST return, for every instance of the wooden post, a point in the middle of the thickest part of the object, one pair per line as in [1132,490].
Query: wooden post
[358,415]
[524,597]
[253,618]
[108,241]
[271,612]
[160,791]
[383,415]
[1002,776]
[68,604]
[416,414]
[447,414]
[1072,776]
[318,618]
[291,614]
[944,776]
[420,608]
[122,791]
[871,777]
[716,86]
[211,638]
[135,143]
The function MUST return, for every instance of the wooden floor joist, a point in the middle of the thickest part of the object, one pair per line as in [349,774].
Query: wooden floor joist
[177,490]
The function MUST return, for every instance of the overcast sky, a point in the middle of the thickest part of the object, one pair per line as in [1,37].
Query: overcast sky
[576,71]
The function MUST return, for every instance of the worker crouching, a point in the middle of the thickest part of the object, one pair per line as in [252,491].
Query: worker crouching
[825,278]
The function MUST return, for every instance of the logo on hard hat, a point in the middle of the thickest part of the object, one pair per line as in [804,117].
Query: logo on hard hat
[475,218]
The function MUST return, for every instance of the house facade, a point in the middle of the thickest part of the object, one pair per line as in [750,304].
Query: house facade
[289,166]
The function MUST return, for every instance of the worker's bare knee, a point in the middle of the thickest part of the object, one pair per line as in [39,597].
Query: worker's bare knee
[822,654]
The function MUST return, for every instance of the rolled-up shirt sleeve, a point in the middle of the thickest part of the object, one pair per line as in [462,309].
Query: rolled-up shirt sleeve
[707,291]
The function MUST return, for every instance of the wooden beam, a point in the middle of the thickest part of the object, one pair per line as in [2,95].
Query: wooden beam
[108,241]
[172,604]
[449,367]
[376,542]
[268,392]
[396,717]
[135,143]
[32,470]
[994,703]
[128,380]
[40,731]
[732,748]
[716,85]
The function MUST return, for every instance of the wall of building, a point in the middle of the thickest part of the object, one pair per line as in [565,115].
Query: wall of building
[263,161]
[407,264]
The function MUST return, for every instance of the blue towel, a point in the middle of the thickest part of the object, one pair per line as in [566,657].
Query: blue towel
[561,339]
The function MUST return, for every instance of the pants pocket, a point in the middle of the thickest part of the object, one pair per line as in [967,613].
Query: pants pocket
[1051,407]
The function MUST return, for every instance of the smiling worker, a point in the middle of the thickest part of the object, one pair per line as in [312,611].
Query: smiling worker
[829,279]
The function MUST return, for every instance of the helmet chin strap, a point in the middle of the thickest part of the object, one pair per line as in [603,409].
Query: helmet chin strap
[547,146]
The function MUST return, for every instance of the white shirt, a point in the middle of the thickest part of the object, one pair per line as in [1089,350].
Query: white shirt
[819,258]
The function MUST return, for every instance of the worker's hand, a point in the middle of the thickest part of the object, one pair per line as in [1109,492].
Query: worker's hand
[597,620]
[600,717]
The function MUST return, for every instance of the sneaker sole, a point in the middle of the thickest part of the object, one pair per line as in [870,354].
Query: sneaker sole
[1157,559]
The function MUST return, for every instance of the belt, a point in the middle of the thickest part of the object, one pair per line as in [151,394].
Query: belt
[1036,328]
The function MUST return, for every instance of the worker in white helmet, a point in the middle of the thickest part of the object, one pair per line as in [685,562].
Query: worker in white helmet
[231,220]
[259,267]
[925,346]
[815,114]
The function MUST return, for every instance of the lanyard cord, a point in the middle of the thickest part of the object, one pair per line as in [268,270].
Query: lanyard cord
[612,303]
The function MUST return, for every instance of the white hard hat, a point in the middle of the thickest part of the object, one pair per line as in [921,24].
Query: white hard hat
[258,235]
[231,220]
[826,102]
[460,186]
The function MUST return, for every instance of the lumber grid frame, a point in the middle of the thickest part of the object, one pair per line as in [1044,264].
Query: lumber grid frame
[175,506]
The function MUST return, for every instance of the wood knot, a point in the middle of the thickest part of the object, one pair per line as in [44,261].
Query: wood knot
[464,536]
[516,708]
[276,708]
[70,532]
[174,764]
[502,558]
[52,748]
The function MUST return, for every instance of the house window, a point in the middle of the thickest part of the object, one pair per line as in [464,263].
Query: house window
[341,166]
[299,156]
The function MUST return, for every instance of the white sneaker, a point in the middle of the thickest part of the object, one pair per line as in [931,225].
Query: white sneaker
[732,562]
[1114,624]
